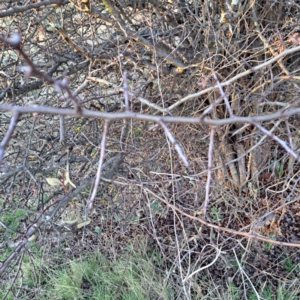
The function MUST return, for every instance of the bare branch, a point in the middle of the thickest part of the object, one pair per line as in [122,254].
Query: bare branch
[278,140]
[126,92]
[176,145]
[223,95]
[15,42]
[209,167]
[18,9]
[143,100]
[100,167]
[145,117]
[11,128]
[235,78]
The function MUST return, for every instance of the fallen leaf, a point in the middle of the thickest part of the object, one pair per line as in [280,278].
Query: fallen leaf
[53,181]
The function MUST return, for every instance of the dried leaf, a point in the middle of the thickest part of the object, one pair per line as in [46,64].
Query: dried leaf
[68,180]
[80,225]
[53,181]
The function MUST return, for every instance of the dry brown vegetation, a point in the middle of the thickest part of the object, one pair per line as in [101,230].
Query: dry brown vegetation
[176,122]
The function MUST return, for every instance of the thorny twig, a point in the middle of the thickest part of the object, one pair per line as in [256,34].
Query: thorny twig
[151,118]
[15,42]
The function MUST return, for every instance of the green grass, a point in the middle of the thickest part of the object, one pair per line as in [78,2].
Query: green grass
[282,293]
[279,169]
[288,264]
[233,291]
[133,275]
[11,219]
[215,213]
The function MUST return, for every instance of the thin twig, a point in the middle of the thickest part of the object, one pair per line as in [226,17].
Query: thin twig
[15,42]
[36,5]
[224,96]
[217,86]
[278,140]
[126,91]
[100,167]
[11,128]
[209,167]
[231,231]
[142,100]
[205,267]
[244,273]
[174,142]
[235,78]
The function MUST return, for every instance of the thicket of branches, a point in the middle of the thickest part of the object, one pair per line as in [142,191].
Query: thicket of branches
[172,119]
